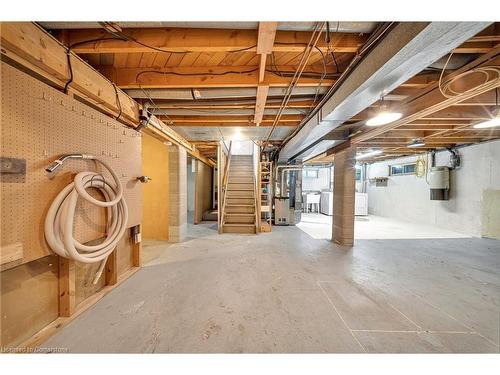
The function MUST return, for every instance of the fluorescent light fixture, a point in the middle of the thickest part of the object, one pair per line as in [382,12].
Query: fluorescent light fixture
[494,122]
[383,118]
[416,143]
[368,154]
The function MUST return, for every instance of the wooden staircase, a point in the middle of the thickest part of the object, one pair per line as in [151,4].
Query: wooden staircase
[239,209]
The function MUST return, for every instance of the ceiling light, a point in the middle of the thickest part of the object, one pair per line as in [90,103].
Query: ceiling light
[416,143]
[368,154]
[494,122]
[384,117]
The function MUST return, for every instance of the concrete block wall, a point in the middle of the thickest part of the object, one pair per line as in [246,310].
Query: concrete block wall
[474,188]
[317,184]
[177,169]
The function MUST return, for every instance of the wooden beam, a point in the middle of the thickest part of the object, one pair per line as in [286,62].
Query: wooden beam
[440,139]
[234,104]
[179,40]
[265,42]
[31,43]
[111,269]
[226,124]
[431,100]
[67,278]
[196,76]
[178,120]
[262,67]
[260,104]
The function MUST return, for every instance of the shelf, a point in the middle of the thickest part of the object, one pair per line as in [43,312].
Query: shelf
[265,179]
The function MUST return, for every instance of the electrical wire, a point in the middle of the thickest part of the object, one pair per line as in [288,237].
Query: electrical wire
[279,73]
[121,36]
[420,167]
[70,80]
[374,37]
[293,83]
[118,102]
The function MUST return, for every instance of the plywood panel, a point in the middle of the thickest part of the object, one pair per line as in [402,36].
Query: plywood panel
[155,193]
[39,124]
[125,255]
[203,190]
[84,283]
[29,299]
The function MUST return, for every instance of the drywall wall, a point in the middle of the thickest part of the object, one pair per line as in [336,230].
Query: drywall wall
[317,184]
[477,182]
[155,192]
[39,124]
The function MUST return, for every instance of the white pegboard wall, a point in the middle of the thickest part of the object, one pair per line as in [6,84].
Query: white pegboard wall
[39,123]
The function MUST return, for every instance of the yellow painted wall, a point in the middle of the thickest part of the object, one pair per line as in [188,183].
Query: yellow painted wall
[155,192]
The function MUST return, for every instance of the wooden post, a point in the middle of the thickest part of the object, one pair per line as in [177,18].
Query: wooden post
[136,251]
[220,166]
[67,276]
[111,269]
[344,193]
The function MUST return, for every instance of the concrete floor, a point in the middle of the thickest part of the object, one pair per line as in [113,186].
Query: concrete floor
[288,292]
[319,226]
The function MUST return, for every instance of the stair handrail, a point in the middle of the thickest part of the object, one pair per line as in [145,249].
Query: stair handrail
[225,181]
[256,184]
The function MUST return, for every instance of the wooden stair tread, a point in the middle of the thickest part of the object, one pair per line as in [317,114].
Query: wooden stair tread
[239,225]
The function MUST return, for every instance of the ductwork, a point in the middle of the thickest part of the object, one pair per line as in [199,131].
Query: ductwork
[223,112]
[403,52]
[217,93]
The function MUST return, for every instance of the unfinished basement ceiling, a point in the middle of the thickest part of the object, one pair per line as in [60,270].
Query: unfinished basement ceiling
[209,133]
[335,26]
[199,77]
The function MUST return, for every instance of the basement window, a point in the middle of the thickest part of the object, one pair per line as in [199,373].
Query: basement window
[310,173]
[402,169]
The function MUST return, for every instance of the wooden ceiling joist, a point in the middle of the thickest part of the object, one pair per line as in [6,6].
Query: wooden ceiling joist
[178,120]
[260,103]
[432,101]
[28,44]
[36,47]
[273,104]
[265,42]
[177,40]
[196,77]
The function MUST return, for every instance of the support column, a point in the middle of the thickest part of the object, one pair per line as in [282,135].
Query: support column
[344,193]
[177,171]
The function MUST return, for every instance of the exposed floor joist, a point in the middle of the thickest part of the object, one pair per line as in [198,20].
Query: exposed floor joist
[396,58]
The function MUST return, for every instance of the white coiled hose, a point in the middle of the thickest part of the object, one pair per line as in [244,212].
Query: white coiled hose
[60,217]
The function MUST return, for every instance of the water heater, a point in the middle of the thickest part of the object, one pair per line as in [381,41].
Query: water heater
[439,183]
